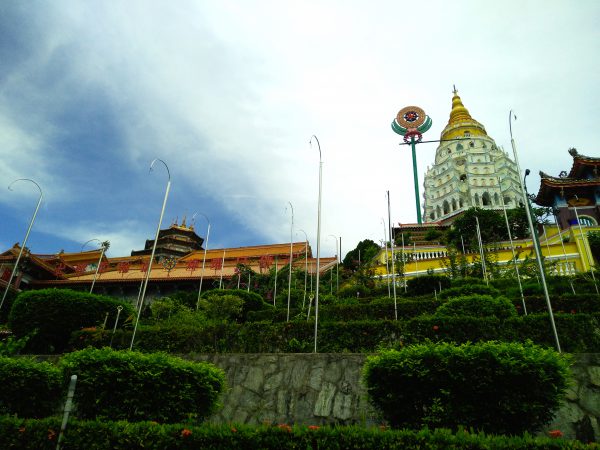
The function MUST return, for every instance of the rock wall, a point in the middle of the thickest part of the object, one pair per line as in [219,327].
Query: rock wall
[325,388]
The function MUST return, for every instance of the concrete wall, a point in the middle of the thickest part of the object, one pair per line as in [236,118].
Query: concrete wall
[316,389]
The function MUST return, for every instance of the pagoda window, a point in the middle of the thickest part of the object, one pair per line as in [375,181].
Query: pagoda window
[471,144]
[587,221]
[485,199]
[496,199]
[483,145]
[460,202]
[467,134]
[432,216]
[453,204]
[446,207]
[449,151]
[438,211]
[476,199]
[507,200]
[459,147]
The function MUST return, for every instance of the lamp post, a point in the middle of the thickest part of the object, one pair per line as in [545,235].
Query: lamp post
[536,246]
[14,270]
[162,212]
[305,266]
[103,247]
[337,265]
[318,238]
[203,260]
[387,263]
[291,259]
[393,265]
[584,247]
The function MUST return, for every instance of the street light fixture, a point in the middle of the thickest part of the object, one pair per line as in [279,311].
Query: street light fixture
[14,270]
[162,212]
[318,237]
[103,247]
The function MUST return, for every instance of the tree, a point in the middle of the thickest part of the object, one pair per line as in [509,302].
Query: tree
[491,224]
[364,252]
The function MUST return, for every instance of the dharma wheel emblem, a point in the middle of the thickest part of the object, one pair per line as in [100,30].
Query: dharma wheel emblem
[411,122]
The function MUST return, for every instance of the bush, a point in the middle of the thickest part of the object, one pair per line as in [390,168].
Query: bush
[351,291]
[427,284]
[126,385]
[164,307]
[469,289]
[94,435]
[505,388]
[53,314]
[252,301]
[29,388]
[478,306]
[222,308]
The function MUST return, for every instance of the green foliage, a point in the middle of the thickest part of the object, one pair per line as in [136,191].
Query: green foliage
[594,241]
[469,289]
[491,224]
[364,252]
[478,306]
[128,385]
[427,284]
[51,315]
[8,302]
[433,235]
[95,435]
[507,388]
[10,345]
[29,388]
[251,300]
[164,307]
[354,291]
[222,308]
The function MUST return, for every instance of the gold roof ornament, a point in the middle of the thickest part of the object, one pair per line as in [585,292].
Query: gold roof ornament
[461,124]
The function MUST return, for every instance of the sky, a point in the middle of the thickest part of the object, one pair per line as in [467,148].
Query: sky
[229,93]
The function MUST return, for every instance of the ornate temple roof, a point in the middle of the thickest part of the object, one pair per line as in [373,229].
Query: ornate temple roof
[582,163]
[460,121]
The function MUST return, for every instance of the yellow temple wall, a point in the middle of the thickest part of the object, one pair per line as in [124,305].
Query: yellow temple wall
[568,251]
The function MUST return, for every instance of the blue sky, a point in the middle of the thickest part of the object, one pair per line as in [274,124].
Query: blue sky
[228,94]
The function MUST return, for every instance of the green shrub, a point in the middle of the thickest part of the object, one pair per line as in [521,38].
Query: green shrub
[478,306]
[351,291]
[567,303]
[29,388]
[95,435]
[127,385]
[53,314]
[164,307]
[427,284]
[252,301]
[469,289]
[222,308]
[505,388]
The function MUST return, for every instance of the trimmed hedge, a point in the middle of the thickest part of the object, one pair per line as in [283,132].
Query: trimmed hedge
[568,303]
[29,388]
[51,315]
[469,289]
[506,388]
[252,301]
[427,284]
[92,435]
[577,333]
[478,306]
[128,385]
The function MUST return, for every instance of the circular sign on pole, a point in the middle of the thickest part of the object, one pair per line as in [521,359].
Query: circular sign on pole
[411,117]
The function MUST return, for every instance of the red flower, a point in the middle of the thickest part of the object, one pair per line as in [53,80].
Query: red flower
[22,430]
[234,430]
[285,426]
[573,311]
[313,427]
[51,434]
[555,434]
[185,433]
[435,328]
[383,427]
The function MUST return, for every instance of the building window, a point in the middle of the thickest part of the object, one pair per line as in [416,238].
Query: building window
[485,199]
[587,221]
[467,134]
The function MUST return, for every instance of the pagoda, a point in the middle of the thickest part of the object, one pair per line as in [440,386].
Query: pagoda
[469,170]
[574,194]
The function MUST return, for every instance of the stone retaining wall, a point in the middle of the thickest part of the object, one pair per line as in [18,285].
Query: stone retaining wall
[325,388]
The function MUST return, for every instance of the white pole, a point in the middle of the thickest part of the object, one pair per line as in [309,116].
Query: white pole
[203,261]
[291,259]
[305,266]
[481,253]
[318,239]
[387,262]
[162,212]
[275,289]
[222,267]
[393,258]
[15,267]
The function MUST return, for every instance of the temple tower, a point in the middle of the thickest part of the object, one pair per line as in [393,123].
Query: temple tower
[468,165]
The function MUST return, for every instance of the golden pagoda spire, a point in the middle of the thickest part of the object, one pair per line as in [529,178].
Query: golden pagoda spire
[460,121]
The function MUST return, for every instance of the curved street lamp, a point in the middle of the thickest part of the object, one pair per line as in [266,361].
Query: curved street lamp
[305,266]
[12,274]
[318,237]
[203,260]
[162,212]
[291,258]
[103,247]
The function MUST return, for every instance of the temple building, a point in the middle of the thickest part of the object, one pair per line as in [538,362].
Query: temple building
[469,170]
[180,264]
[574,195]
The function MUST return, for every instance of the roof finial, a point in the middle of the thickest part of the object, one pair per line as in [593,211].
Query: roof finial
[454,91]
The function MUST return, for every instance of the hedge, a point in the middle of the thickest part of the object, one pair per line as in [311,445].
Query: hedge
[478,306]
[252,301]
[577,333]
[506,388]
[93,435]
[469,289]
[51,315]
[568,303]
[29,388]
[129,385]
